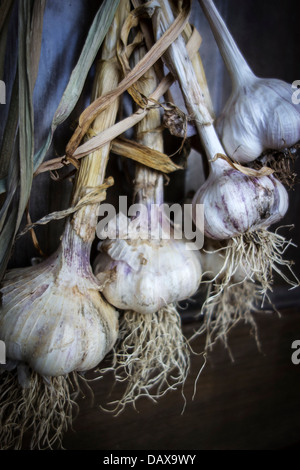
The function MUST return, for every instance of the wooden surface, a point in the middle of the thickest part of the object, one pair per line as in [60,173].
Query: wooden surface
[251,403]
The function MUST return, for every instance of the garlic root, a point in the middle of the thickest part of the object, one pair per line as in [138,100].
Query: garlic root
[46,408]
[225,307]
[240,279]
[152,356]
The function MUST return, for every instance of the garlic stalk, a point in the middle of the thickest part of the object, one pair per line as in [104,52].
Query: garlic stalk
[237,207]
[259,114]
[147,276]
[53,320]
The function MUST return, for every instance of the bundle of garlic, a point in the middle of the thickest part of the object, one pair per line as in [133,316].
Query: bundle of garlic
[238,207]
[260,113]
[53,319]
[145,272]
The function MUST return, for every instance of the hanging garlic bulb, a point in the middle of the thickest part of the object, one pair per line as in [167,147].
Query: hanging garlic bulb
[151,268]
[53,320]
[234,202]
[146,274]
[240,208]
[52,316]
[260,114]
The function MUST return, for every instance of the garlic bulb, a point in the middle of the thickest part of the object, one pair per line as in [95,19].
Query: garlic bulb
[235,203]
[147,274]
[53,317]
[260,114]
[145,268]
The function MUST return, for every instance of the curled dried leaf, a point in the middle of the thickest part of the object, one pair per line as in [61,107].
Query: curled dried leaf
[264,171]
[93,196]
[99,105]
[144,155]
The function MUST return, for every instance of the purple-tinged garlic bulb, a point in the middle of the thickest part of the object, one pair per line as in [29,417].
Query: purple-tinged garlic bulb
[53,317]
[235,203]
[241,208]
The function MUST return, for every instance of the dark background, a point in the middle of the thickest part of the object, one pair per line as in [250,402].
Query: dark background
[251,403]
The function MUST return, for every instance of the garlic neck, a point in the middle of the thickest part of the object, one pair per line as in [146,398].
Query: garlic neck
[76,253]
[148,187]
[178,62]
[236,64]
[213,147]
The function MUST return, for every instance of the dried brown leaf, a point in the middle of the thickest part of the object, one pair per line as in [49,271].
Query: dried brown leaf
[144,155]
[99,105]
[264,171]
[117,129]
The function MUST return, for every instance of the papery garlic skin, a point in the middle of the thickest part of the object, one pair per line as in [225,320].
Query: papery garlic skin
[257,117]
[235,203]
[58,325]
[146,275]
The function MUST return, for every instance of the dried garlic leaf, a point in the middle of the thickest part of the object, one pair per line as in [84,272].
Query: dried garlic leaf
[144,155]
[94,196]
[99,105]
[114,131]
[264,171]
[95,37]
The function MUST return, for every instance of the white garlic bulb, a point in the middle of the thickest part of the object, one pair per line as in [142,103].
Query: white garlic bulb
[145,275]
[258,117]
[260,114]
[53,317]
[235,203]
